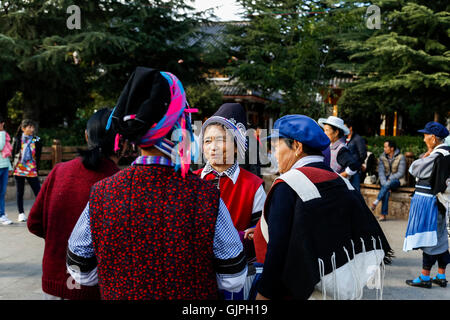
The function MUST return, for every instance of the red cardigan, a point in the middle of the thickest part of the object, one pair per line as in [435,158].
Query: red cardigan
[62,198]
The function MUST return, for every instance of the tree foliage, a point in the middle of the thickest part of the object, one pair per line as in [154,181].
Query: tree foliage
[296,47]
[287,47]
[57,71]
[405,65]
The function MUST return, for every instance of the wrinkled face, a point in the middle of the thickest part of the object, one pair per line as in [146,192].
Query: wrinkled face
[28,130]
[218,145]
[332,134]
[386,148]
[285,156]
[430,140]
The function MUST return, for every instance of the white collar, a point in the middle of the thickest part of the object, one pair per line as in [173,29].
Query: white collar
[436,148]
[307,160]
[441,145]
[233,176]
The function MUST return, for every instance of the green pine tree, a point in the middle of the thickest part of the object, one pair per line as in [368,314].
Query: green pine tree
[288,46]
[53,71]
[404,66]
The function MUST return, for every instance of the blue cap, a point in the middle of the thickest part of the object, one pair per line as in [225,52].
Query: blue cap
[435,128]
[301,128]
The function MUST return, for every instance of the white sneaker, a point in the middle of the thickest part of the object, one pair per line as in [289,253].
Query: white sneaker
[4,220]
[22,217]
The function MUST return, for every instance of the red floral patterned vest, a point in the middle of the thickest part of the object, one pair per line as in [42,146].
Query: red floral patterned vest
[153,234]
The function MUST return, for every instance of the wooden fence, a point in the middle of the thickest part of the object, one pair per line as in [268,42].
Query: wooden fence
[57,153]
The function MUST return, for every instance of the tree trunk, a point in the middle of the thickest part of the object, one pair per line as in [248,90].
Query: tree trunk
[436,117]
[31,109]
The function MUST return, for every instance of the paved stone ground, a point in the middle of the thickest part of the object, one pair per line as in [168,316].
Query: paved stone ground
[20,258]
[21,255]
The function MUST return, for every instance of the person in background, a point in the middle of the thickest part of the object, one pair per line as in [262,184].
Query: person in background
[426,229]
[358,149]
[369,168]
[391,171]
[447,143]
[26,157]
[5,167]
[63,196]
[341,159]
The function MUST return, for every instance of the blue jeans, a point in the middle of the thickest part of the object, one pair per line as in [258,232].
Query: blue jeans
[384,194]
[355,181]
[3,186]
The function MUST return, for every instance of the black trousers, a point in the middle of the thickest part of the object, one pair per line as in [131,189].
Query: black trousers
[20,188]
[429,260]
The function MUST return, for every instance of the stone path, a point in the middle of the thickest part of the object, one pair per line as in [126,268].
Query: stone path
[21,255]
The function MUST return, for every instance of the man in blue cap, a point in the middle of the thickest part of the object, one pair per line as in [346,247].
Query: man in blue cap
[312,219]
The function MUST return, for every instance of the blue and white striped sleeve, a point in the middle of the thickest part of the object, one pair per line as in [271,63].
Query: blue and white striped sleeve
[230,262]
[81,261]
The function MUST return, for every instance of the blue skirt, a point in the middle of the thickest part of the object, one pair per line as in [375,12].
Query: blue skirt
[422,222]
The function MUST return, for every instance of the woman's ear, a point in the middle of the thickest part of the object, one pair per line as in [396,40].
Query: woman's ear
[298,147]
[86,136]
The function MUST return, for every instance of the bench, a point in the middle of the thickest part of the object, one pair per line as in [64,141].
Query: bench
[399,200]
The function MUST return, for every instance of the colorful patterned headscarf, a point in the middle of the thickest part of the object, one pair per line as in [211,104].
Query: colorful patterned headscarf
[178,119]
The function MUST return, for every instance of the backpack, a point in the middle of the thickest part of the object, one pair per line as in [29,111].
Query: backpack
[7,149]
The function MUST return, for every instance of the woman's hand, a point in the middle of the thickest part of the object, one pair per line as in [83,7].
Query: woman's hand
[259,296]
[427,153]
[344,174]
[248,234]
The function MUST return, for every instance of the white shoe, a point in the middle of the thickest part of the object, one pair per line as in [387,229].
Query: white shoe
[4,220]
[22,217]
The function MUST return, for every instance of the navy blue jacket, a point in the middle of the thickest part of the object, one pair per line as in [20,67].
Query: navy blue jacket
[357,148]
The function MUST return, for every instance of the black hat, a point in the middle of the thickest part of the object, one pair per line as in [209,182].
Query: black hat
[147,96]
[233,112]
[233,117]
